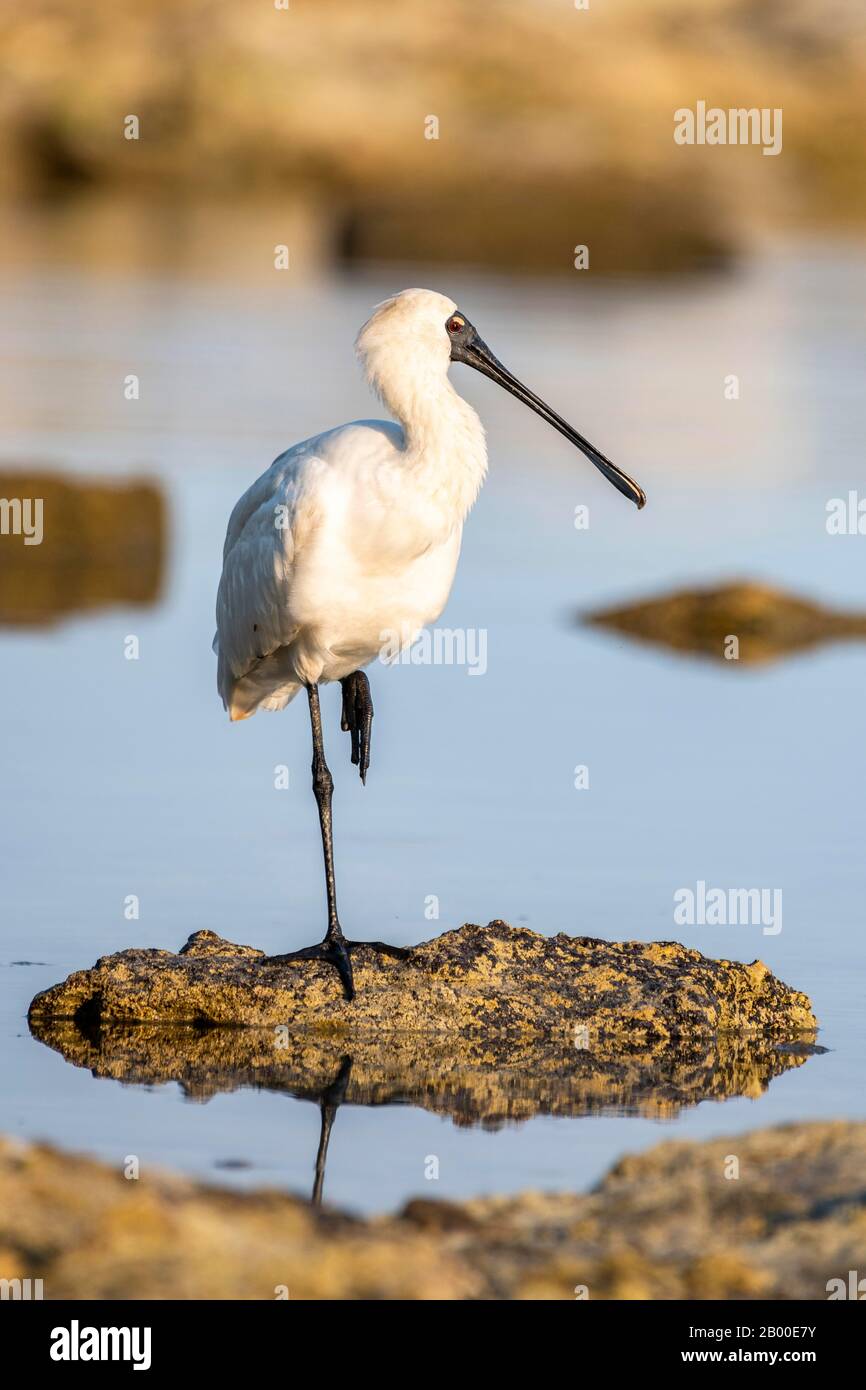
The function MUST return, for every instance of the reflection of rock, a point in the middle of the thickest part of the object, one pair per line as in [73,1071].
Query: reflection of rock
[485,981]
[103,543]
[474,1081]
[767,622]
[663,1224]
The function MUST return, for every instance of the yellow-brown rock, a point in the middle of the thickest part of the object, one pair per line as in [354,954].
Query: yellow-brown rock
[488,982]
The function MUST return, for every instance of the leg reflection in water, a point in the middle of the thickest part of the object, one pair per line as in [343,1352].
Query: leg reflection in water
[330,1101]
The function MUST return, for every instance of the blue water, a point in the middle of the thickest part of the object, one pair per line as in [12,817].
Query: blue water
[124,777]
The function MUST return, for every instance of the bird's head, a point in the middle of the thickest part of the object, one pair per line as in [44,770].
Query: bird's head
[404,333]
[419,333]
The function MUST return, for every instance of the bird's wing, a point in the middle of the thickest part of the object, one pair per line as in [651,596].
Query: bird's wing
[317,483]
[266,530]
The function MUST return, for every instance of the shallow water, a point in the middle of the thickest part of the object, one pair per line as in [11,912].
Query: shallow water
[123,777]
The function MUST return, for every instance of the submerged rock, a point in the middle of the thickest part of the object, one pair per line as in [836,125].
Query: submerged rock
[489,981]
[474,1080]
[670,1223]
[767,622]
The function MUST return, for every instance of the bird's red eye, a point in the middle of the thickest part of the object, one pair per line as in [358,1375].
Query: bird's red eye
[455,325]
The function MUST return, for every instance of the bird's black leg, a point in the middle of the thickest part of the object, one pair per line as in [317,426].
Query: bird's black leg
[335,949]
[357,719]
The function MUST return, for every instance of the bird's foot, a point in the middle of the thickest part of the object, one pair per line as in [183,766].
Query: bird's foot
[357,718]
[337,951]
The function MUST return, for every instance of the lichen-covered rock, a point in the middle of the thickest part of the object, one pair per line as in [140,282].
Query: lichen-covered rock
[669,1223]
[491,981]
[475,1080]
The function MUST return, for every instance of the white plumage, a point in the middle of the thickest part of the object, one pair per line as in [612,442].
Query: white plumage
[353,536]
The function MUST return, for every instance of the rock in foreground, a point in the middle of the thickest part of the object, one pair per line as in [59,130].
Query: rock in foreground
[490,981]
[665,1224]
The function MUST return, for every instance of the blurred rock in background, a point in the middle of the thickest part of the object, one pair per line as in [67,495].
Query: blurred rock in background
[101,544]
[555,124]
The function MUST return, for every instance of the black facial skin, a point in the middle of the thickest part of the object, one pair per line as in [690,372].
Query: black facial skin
[469,348]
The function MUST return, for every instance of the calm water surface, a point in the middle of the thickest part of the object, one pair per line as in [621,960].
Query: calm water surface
[123,777]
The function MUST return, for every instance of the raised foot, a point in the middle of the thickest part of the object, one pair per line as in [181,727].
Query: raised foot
[357,719]
[337,952]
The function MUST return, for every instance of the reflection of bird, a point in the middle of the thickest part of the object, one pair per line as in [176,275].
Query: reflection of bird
[348,544]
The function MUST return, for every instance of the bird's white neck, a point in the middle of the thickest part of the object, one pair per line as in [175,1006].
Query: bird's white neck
[444,439]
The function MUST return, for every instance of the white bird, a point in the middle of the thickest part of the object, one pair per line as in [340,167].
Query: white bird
[350,540]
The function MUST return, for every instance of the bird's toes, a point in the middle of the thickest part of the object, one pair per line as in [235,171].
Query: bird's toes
[356,719]
[343,967]
[364,715]
[346,712]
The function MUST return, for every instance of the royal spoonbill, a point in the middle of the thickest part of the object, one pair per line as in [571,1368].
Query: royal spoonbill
[353,536]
